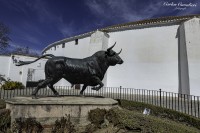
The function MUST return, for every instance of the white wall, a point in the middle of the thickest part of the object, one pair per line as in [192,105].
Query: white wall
[19,73]
[4,65]
[150,59]
[71,50]
[192,38]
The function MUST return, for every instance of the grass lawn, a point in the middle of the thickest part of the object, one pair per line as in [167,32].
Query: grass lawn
[134,121]
[130,119]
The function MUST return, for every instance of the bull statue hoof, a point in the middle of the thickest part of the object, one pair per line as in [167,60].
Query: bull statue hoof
[96,88]
[34,97]
[56,94]
[81,95]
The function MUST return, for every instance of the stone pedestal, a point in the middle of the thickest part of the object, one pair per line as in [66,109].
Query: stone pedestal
[47,110]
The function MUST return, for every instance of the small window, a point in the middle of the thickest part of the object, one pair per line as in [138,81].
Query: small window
[76,41]
[54,47]
[57,46]
[63,45]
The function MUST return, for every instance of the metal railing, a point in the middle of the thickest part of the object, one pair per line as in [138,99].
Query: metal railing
[187,104]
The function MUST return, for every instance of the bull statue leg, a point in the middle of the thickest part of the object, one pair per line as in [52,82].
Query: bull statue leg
[72,85]
[47,82]
[40,85]
[50,85]
[98,82]
[82,90]
[53,89]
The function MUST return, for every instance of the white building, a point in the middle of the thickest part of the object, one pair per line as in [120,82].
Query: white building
[32,72]
[158,53]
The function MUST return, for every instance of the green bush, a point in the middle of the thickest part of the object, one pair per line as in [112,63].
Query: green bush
[4,120]
[2,104]
[28,125]
[11,85]
[96,116]
[123,120]
[134,121]
[64,125]
[162,112]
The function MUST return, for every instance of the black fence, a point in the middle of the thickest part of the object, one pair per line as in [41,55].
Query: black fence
[187,104]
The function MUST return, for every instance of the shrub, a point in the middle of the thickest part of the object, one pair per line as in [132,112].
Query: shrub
[5,120]
[64,125]
[29,125]
[90,128]
[162,112]
[10,85]
[2,104]
[96,116]
[134,121]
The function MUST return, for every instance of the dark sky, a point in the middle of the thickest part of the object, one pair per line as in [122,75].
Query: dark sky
[37,23]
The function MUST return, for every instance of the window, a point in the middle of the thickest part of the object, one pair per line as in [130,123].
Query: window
[63,45]
[54,47]
[76,41]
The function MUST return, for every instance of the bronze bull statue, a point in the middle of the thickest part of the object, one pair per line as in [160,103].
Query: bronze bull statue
[89,71]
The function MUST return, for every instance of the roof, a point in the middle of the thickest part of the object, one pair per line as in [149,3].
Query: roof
[130,25]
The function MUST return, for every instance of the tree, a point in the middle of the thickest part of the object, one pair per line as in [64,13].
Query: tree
[24,51]
[18,50]
[4,38]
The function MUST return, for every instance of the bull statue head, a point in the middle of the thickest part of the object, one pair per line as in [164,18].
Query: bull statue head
[113,57]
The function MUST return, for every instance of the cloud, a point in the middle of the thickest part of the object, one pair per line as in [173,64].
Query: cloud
[15,5]
[190,10]
[118,11]
[45,15]
[123,10]
[96,7]
[66,29]
[41,9]
[14,46]
[27,33]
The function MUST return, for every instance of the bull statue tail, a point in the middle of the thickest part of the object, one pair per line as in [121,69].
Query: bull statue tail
[21,63]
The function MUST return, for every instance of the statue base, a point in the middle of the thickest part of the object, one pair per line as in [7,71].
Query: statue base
[47,110]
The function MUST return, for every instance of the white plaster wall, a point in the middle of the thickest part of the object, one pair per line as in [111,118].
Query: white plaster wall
[98,41]
[192,35]
[71,50]
[4,63]
[14,71]
[150,59]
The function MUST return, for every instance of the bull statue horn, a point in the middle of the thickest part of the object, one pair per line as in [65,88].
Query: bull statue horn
[111,47]
[119,52]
